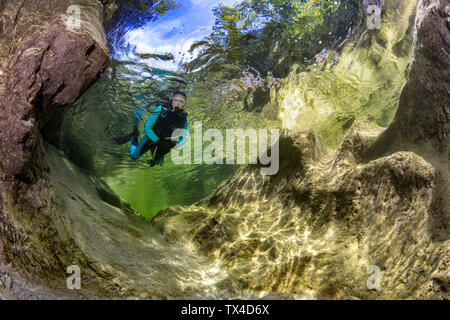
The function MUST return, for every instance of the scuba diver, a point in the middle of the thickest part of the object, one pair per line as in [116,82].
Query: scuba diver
[160,125]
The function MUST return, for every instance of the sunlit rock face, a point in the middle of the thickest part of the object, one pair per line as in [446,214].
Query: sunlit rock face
[422,121]
[365,79]
[315,228]
[328,219]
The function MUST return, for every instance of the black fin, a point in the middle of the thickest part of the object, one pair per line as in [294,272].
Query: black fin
[123,139]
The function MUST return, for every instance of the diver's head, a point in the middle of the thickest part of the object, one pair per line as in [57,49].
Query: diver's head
[178,101]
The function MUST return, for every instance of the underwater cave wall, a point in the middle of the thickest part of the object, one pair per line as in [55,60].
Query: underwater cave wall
[45,63]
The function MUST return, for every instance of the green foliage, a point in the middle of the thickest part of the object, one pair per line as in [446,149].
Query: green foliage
[265,34]
[310,14]
[162,7]
[159,6]
[164,57]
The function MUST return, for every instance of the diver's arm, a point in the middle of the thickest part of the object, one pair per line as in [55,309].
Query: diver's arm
[149,124]
[183,137]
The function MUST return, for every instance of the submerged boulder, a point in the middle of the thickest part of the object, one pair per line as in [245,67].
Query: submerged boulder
[46,63]
[316,228]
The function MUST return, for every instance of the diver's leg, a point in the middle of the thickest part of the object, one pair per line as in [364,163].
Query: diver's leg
[136,148]
[152,147]
[163,148]
[160,161]
[149,145]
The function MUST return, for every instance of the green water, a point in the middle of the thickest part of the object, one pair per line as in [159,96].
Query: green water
[87,128]
[150,190]
[85,131]
[365,82]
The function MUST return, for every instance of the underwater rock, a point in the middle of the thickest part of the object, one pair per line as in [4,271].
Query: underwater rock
[422,121]
[278,296]
[369,220]
[316,227]
[365,81]
[48,65]
[53,214]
